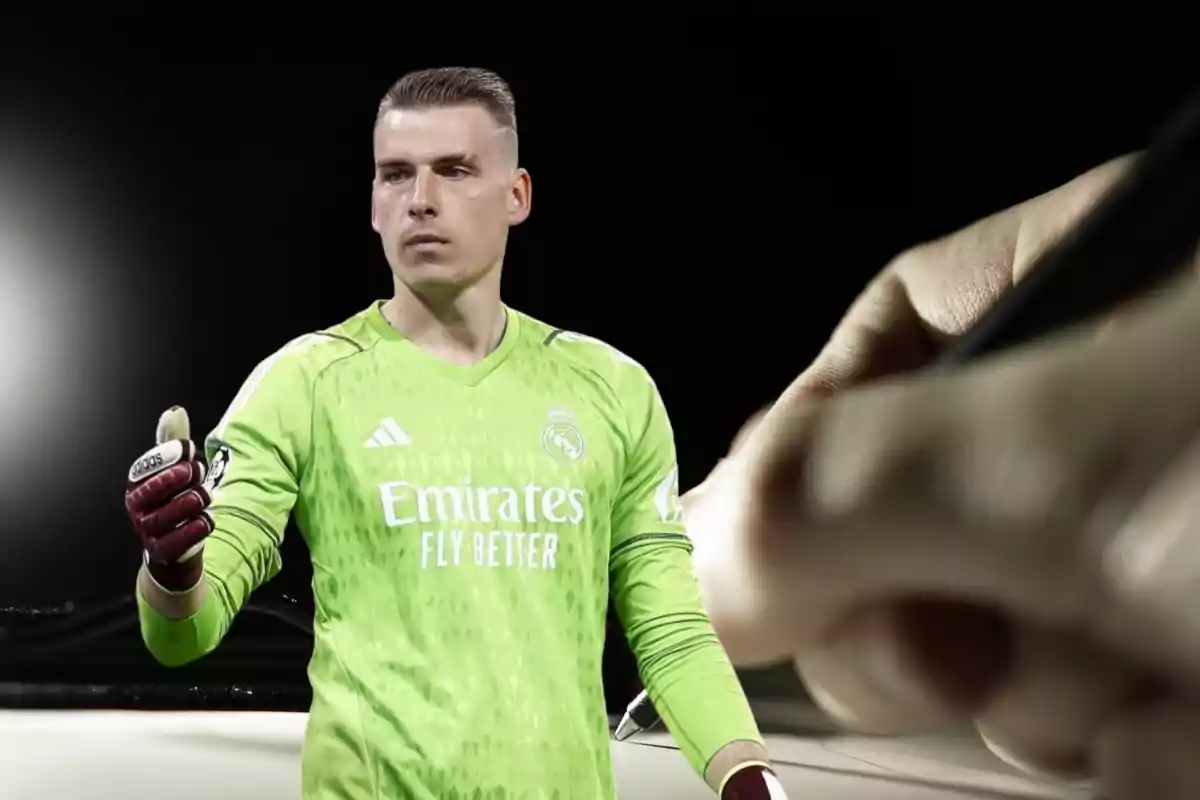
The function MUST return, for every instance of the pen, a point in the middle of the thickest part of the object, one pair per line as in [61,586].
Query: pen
[1136,237]
[640,715]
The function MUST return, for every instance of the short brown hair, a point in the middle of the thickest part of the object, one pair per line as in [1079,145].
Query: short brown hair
[453,86]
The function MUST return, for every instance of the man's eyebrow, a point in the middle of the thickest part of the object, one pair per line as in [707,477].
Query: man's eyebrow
[443,160]
[383,163]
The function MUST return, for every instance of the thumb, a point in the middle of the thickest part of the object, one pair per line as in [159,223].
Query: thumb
[173,424]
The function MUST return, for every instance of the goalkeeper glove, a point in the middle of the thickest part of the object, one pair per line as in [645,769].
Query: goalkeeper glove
[752,782]
[166,499]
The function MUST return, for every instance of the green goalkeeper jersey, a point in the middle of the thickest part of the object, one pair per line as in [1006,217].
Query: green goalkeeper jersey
[466,526]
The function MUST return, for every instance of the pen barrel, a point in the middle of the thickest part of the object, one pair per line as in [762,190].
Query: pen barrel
[643,712]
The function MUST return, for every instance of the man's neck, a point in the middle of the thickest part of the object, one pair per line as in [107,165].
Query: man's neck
[461,328]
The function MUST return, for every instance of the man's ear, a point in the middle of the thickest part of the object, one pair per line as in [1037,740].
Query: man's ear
[520,197]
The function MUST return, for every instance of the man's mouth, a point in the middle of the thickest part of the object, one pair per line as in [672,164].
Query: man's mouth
[425,238]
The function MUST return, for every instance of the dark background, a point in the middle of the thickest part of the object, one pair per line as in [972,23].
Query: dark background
[177,200]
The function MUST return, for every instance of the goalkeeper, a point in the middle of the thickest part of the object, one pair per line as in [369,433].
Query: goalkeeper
[472,484]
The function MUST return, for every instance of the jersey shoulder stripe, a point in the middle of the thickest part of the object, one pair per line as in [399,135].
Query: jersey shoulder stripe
[580,347]
[357,330]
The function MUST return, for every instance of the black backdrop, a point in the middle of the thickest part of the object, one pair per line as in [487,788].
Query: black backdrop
[189,195]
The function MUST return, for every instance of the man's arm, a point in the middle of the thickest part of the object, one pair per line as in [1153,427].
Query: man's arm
[682,663]
[255,456]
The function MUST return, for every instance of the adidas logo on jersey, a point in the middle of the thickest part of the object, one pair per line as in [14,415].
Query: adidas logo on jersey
[389,434]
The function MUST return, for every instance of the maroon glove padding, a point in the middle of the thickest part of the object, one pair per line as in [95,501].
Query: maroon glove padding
[753,782]
[167,504]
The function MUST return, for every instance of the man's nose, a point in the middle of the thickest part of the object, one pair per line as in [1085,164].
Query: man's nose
[424,197]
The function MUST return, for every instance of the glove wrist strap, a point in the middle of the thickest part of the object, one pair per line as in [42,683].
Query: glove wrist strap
[177,578]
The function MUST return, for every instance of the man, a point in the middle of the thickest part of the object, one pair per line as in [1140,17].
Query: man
[1017,543]
[471,484]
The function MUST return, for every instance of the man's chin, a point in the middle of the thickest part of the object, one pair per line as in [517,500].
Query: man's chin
[435,280]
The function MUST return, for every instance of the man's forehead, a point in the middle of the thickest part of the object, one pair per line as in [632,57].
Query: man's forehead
[429,134]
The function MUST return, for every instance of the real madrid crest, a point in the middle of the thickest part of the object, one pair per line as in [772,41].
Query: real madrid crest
[561,438]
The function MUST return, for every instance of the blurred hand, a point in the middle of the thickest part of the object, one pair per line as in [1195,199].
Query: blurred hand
[1017,544]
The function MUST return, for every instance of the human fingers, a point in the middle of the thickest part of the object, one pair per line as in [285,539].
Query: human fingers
[933,293]
[921,301]
[1151,752]
[1008,485]
[1046,710]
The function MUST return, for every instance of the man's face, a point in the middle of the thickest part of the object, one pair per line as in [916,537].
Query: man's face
[445,192]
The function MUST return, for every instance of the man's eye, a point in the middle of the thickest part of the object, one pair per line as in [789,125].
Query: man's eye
[394,176]
[456,172]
